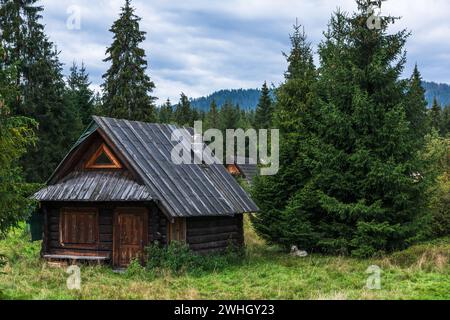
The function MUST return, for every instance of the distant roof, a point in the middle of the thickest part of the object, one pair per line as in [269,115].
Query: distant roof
[250,171]
[248,167]
[95,186]
[182,190]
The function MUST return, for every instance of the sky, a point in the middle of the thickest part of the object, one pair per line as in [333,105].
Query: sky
[200,46]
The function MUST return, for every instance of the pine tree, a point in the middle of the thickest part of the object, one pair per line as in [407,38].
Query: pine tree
[300,60]
[212,118]
[436,116]
[229,117]
[127,88]
[40,84]
[195,114]
[166,112]
[416,107]
[79,94]
[361,191]
[446,121]
[264,110]
[293,113]
[183,112]
[364,195]
[16,135]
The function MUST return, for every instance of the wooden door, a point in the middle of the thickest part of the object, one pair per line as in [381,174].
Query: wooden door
[130,235]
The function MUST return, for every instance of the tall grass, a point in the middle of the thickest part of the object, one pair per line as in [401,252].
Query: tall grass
[421,272]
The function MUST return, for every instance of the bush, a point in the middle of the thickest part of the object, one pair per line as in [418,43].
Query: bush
[177,258]
[136,270]
[440,206]
[3,260]
[428,256]
[437,154]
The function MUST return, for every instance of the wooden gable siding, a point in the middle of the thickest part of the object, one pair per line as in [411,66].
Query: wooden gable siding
[52,241]
[79,158]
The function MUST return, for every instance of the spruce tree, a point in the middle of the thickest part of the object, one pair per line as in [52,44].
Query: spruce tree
[446,121]
[416,107]
[212,118]
[80,96]
[40,84]
[264,109]
[293,113]
[183,112]
[195,114]
[361,191]
[166,112]
[366,192]
[435,116]
[127,88]
[229,116]
[17,133]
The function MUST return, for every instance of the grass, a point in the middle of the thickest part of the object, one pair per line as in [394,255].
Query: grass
[421,272]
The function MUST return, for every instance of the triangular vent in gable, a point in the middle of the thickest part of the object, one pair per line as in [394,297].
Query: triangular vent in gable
[103,158]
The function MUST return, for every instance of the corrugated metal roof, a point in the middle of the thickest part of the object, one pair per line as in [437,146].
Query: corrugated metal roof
[184,190]
[95,186]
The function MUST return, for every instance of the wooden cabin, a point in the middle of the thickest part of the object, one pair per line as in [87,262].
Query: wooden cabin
[117,190]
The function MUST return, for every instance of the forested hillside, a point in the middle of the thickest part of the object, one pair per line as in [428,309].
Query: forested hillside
[439,90]
[248,98]
[245,98]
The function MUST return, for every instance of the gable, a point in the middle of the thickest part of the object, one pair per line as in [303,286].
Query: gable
[92,152]
[94,171]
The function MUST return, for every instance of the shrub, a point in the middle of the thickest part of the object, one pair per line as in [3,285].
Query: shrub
[177,258]
[3,260]
[430,256]
[437,154]
[136,270]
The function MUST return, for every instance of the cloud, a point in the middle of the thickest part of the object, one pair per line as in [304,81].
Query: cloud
[199,46]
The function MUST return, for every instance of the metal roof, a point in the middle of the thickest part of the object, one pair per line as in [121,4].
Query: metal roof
[95,186]
[182,190]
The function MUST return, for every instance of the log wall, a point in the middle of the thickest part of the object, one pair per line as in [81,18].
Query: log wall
[203,234]
[210,234]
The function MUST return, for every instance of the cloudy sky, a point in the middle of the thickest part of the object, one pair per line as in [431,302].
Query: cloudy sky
[200,46]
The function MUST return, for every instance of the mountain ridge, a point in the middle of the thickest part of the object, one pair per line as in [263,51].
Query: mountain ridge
[247,99]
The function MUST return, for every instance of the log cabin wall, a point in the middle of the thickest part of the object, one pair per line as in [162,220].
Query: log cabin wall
[157,223]
[214,234]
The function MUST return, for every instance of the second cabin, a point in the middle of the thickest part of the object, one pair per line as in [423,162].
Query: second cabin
[117,191]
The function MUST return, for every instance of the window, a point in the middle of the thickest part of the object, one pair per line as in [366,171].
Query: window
[78,227]
[177,230]
[103,158]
